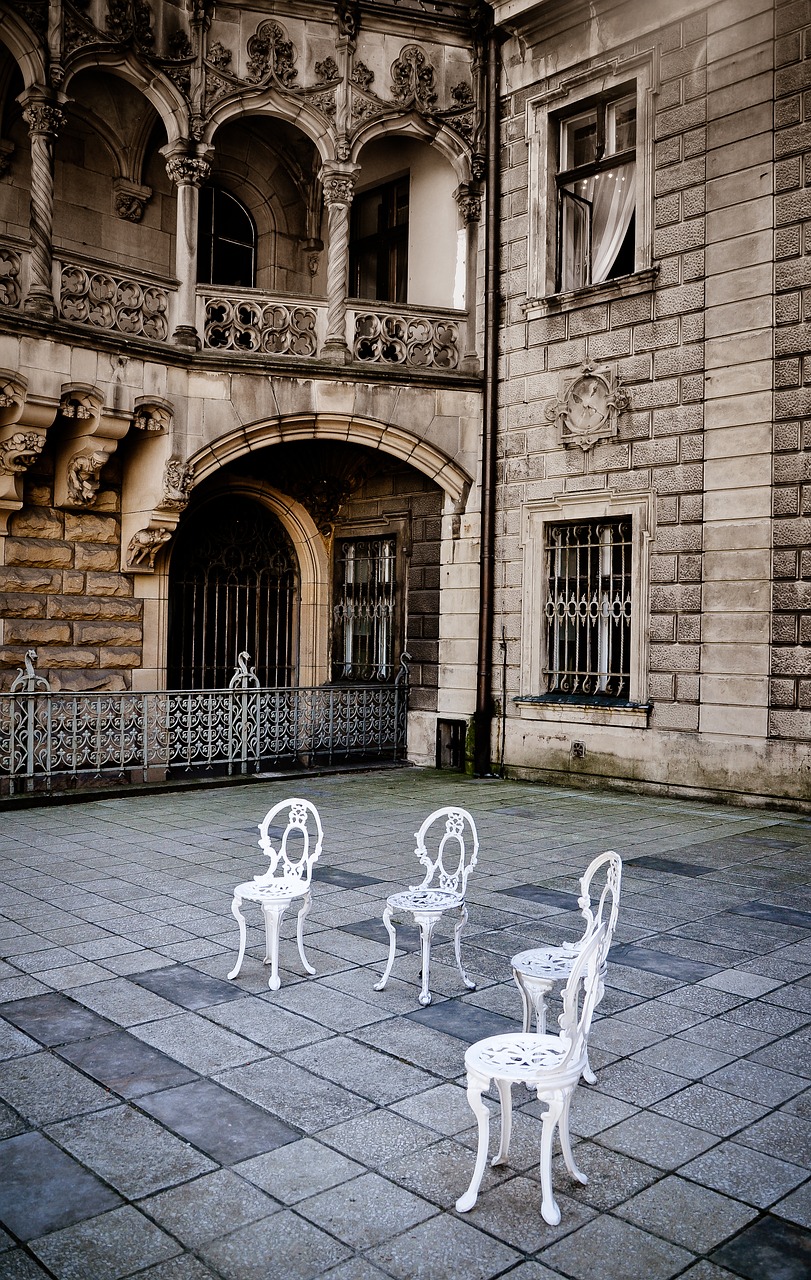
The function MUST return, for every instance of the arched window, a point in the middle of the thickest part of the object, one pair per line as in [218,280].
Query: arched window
[226,246]
[233,588]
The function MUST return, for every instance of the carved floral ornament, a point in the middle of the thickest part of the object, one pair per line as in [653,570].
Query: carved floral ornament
[271,54]
[154,419]
[589,407]
[412,79]
[188,171]
[43,118]
[339,188]
[20,451]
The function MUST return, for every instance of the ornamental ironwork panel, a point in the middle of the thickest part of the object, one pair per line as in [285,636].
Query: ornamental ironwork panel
[120,303]
[414,341]
[588,608]
[54,741]
[364,609]
[249,324]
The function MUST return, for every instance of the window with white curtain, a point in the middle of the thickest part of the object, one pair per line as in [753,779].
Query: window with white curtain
[596,191]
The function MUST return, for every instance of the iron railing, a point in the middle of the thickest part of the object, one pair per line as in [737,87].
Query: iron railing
[54,741]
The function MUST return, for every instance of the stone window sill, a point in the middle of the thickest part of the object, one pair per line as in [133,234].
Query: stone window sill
[623,716]
[609,291]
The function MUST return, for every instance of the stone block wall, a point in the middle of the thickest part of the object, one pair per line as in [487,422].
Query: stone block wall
[653,339]
[394,492]
[61,592]
[790,692]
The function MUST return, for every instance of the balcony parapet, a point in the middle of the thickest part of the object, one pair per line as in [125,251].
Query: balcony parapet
[253,321]
[131,304]
[412,337]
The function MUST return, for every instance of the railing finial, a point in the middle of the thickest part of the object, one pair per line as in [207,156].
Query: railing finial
[244,677]
[27,680]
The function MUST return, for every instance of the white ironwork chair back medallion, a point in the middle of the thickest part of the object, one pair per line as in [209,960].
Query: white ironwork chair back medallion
[550,1064]
[537,970]
[442,889]
[288,877]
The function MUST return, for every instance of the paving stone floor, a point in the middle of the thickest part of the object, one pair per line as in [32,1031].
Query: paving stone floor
[159,1121]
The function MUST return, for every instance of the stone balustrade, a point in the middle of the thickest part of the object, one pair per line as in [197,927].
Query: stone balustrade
[407,336]
[252,321]
[128,304]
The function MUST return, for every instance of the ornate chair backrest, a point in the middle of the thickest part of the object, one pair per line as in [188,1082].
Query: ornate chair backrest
[584,990]
[459,842]
[284,864]
[609,900]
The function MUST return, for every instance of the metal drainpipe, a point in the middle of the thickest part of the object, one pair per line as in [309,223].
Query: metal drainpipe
[483,718]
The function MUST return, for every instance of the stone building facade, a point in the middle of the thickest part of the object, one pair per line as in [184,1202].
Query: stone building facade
[652,543]
[239,344]
[254,261]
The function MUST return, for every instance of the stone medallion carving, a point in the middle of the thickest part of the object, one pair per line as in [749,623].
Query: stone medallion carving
[589,408]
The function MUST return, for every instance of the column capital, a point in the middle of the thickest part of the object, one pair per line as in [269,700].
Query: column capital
[187,163]
[43,116]
[469,200]
[338,180]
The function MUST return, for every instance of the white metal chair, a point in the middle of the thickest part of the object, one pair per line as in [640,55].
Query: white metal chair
[536,971]
[549,1064]
[287,878]
[442,889]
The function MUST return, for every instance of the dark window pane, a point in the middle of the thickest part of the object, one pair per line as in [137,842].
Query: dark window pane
[226,245]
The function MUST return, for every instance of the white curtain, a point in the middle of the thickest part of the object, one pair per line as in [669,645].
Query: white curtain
[612,194]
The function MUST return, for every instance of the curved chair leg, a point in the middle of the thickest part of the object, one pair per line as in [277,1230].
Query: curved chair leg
[566,1142]
[588,1074]
[505,1097]
[526,1007]
[273,913]
[538,997]
[475,1087]
[387,914]
[551,1117]
[426,924]
[302,916]
[240,919]
[457,936]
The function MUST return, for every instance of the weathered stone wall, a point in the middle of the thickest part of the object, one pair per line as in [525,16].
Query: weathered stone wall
[61,592]
[790,701]
[392,492]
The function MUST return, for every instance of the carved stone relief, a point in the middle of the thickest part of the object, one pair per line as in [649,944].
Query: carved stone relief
[20,452]
[177,482]
[84,477]
[144,546]
[589,408]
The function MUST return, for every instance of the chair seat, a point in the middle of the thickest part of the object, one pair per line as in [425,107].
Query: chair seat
[277,891]
[424,900]
[518,1057]
[553,964]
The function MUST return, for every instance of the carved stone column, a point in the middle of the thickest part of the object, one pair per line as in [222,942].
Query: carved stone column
[188,173]
[338,180]
[469,201]
[44,119]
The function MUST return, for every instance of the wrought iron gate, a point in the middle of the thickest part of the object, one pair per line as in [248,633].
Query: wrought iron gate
[53,741]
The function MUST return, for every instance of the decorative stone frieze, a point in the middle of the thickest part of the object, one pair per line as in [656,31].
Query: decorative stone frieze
[107,301]
[589,407]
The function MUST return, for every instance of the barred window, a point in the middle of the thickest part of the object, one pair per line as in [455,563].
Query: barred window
[588,609]
[363,614]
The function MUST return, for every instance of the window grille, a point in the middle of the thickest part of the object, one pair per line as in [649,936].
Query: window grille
[364,611]
[596,184]
[588,609]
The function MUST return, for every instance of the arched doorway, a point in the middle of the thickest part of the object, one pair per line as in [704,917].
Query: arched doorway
[233,588]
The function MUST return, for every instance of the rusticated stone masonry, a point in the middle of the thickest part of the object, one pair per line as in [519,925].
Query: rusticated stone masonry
[61,592]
